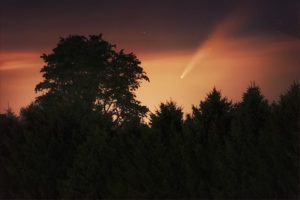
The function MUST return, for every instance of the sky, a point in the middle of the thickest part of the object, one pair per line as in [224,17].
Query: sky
[186,47]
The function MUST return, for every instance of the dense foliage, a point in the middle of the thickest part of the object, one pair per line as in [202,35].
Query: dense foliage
[71,144]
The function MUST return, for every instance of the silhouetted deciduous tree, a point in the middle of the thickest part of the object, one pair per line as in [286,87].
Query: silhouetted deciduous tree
[90,73]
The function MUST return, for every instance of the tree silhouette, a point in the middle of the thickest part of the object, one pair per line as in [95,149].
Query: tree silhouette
[90,73]
[11,138]
[283,144]
[167,120]
[211,125]
[246,157]
[213,116]
[167,126]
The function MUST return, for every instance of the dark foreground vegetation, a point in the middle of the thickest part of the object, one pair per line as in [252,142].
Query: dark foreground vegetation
[84,136]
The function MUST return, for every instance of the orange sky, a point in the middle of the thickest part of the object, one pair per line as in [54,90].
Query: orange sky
[229,65]
[227,60]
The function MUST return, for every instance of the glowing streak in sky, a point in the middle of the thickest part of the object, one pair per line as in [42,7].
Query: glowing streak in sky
[196,58]
[222,32]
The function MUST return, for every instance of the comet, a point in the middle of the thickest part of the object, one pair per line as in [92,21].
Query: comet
[222,32]
[198,56]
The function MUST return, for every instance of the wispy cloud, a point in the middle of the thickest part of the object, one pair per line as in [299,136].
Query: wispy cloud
[19,60]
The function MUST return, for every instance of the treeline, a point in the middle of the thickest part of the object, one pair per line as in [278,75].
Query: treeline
[221,150]
[81,141]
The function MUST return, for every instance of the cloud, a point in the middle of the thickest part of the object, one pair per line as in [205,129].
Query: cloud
[19,60]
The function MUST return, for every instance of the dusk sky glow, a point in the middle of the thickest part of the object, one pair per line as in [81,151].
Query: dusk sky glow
[186,47]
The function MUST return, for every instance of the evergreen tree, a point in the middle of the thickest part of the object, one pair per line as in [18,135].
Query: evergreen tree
[244,153]
[167,124]
[283,142]
[212,125]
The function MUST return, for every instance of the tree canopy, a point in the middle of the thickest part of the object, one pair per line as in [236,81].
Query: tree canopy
[89,72]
